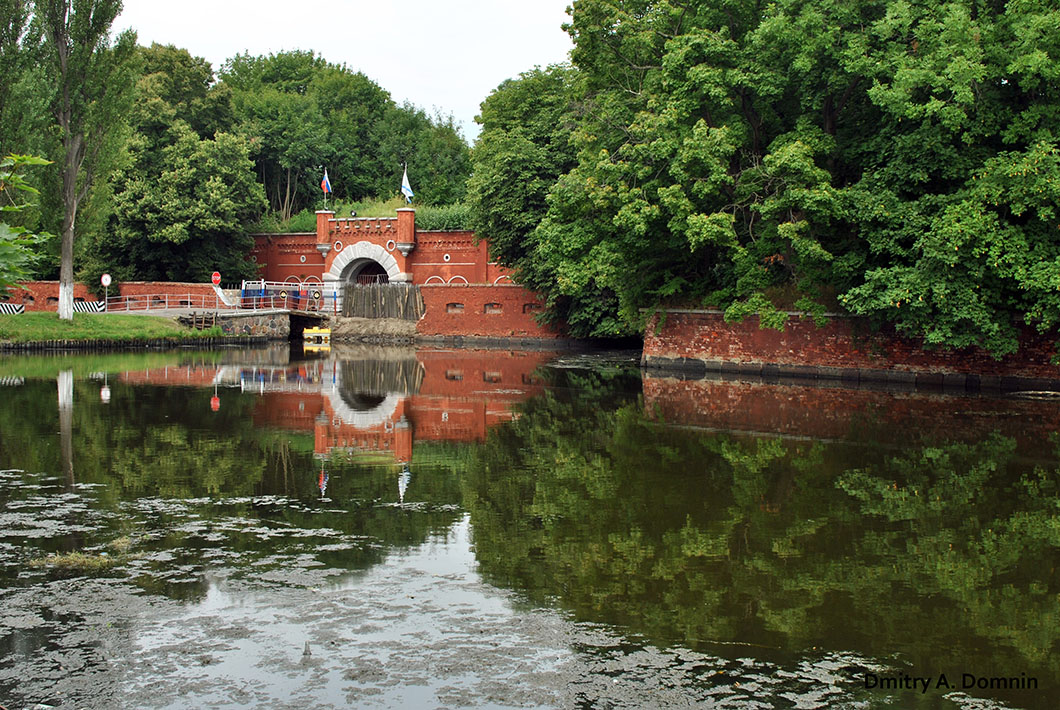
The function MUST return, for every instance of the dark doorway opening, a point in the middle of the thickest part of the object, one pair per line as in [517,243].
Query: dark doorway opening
[371,273]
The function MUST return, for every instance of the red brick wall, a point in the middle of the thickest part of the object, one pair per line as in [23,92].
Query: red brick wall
[840,344]
[517,308]
[386,232]
[466,259]
[839,413]
[36,294]
[498,374]
[279,256]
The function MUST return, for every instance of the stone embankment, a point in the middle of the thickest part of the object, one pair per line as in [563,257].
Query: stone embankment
[371,330]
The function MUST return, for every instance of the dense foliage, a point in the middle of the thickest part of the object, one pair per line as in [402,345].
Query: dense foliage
[18,246]
[302,114]
[771,541]
[160,169]
[187,193]
[892,159]
[897,159]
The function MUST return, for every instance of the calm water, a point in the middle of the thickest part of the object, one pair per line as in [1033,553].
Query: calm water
[399,528]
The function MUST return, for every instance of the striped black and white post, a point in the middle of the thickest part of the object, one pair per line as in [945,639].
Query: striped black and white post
[12,309]
[90,306]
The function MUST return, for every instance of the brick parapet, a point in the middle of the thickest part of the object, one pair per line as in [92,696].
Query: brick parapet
[44,295]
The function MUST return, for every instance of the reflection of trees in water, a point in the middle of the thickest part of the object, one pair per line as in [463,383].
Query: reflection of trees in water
[209,489]
[937,552]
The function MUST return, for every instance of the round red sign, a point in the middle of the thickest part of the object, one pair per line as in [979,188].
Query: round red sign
[216,278]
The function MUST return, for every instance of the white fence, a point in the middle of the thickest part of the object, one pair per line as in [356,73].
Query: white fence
[160,301]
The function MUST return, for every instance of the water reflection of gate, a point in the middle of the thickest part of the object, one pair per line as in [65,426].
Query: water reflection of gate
[376,401]
[365,403]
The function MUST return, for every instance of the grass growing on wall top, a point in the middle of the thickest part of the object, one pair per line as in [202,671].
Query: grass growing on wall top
[428,217]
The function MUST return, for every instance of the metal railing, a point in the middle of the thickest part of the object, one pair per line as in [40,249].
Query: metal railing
[289,295]
[163,301]
[369,279]
[253,295]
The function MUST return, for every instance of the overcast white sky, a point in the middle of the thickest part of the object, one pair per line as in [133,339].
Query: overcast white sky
[444,55]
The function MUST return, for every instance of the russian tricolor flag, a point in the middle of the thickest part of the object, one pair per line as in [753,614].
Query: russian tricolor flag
[325,184]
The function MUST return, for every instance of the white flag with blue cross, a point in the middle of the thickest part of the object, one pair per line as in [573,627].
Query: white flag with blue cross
[406,189]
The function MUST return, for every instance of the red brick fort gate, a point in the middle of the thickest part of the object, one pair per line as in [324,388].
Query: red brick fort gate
[464,292]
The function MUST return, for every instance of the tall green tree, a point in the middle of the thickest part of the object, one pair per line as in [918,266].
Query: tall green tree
[24,96]
[302,114]
[182,210]
[14,66]
[174,84]
[93,83]
[895,159]
[523,148]
[187,193]
[436,155]
[286,121]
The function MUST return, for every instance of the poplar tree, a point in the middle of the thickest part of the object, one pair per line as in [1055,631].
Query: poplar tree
[93,83]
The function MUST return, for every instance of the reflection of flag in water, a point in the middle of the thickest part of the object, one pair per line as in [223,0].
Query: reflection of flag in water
[403,482]
[325,184]
[406,189]
[322,483]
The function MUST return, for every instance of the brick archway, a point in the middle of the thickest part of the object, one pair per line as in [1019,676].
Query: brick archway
[346,261]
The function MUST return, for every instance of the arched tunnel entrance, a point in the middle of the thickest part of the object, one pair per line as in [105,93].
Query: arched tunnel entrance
[365,272]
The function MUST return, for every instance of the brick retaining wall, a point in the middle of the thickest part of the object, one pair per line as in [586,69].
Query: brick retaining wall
[693,342]
[810,410]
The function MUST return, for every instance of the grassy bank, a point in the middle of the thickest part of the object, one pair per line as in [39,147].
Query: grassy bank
[35,327]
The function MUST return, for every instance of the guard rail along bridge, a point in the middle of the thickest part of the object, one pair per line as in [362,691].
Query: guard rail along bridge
[305,303]
[310,304]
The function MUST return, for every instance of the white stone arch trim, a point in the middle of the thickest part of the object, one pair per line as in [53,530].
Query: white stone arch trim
[363,419]
[458,277]
[430,280]
[363,250]
[502,276]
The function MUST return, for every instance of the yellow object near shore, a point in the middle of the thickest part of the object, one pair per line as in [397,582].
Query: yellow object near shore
[316,338]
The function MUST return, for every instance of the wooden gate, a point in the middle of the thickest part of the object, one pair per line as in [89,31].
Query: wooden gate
[389,300]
